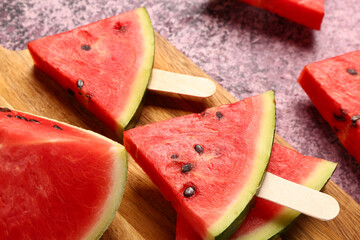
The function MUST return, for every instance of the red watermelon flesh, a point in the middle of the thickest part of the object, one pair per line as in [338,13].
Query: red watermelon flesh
[209,165]
[333,85]
[57,181]
[106,65]
[306,12]
[267,220]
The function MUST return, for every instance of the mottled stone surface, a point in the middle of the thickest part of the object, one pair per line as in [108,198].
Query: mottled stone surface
[247,50]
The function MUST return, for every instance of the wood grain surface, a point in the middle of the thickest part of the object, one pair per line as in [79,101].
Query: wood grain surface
[144,214]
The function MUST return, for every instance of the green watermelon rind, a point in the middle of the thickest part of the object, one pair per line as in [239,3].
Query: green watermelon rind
[144,74]
[117,192]
[113,203]
[237,212]
[276,227]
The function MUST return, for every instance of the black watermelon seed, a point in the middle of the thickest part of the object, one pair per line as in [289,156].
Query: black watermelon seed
[4,109]
[339,118]
[219,115]
[34,121]
[336,129]
[198,148]
[120,27]
[174,156]
[57,127]
[186,167]
[80,83]
[123,29]
[85,47]
[71,92]
[88,96]
[189,191]
[354,119]
[352,71]
[21,117]
[9,115]
[343,111]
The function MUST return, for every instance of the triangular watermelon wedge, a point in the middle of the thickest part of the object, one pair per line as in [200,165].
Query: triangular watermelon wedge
[57,181]
[333,85]
[209,165]
[268,220]
[309,13]
[106,65]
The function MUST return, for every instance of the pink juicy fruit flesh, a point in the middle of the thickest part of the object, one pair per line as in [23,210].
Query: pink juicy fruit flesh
[309,13]
[53,183]
[107,69]
[334,91]
[173,137]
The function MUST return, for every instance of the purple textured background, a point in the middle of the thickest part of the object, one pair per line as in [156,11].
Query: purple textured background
[245,49]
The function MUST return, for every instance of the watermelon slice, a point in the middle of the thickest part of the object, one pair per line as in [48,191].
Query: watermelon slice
[209,165]
[106,65]
[333,87]
[267,220]
[54,183]
[309,13]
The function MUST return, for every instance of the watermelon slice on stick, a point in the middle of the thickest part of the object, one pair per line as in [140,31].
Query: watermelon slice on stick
[309,13]
[267,219]
[209,165]
[54,183]
[333,87]
[107,65]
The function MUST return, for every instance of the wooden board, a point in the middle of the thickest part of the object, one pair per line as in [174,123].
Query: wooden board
[144,213]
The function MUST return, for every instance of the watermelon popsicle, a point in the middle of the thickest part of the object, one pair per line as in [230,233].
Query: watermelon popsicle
[333,87]
[209,165]
[309,13]
[107,66]
[192,154]
[267,219]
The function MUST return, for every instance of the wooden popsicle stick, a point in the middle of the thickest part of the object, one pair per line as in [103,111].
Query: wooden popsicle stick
[180,83]
[300,198]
